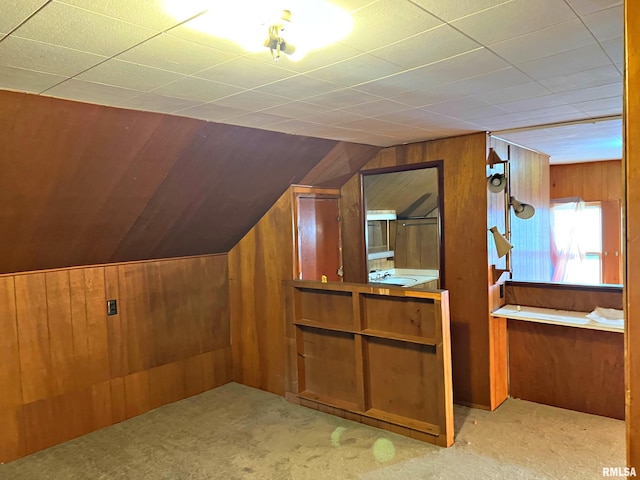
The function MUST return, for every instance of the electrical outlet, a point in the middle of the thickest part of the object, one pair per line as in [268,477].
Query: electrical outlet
[112,307]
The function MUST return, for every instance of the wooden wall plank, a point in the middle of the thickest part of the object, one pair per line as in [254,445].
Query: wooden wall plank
[97,326]
[116,326]
[166,384]
[101,405]
[33,337]
[12,441]
[118,400]
[136,392]
[9,354]
[78,315]
[591,181]
[60,331]
[581,298]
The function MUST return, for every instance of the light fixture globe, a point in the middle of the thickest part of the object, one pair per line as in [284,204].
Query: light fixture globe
[522,210]
[497,182]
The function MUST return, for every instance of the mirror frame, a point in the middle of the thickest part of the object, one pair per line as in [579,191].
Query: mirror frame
[437,164]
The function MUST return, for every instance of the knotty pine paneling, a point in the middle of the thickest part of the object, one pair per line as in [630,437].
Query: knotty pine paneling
[591,181]
[112,185]
[631,169]
[465,249]
[58,346]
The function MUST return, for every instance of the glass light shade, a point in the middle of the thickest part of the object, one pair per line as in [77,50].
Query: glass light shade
[314,23]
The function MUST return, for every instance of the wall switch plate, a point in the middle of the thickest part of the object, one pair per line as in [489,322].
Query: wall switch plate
[112,307]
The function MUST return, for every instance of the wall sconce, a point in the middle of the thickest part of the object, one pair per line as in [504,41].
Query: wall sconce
[503,246]
[522,210]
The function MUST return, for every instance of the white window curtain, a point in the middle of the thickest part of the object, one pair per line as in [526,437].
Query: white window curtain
[566,226]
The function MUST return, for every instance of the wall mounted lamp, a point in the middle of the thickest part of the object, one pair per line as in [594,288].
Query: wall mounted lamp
[522,210]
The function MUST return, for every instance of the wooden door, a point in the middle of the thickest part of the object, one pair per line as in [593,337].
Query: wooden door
[318,236]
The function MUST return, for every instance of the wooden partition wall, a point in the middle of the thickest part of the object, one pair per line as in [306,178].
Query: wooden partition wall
[379,356]
[66,368]
[568,367]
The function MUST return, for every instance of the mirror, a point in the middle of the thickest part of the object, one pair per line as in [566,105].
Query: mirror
[404,227]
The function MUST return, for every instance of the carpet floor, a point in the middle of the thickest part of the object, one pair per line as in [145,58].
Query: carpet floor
[236,432]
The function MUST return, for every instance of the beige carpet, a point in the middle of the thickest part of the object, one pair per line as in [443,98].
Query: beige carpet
[235,432]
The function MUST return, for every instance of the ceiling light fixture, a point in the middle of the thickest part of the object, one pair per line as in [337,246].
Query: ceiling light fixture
[310,24]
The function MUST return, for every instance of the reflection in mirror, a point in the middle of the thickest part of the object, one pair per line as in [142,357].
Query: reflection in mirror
[403,231]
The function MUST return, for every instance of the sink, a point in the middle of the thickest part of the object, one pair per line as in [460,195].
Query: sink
[397,281]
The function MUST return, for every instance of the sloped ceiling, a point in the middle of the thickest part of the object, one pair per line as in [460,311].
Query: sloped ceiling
[410,70]
[85,184]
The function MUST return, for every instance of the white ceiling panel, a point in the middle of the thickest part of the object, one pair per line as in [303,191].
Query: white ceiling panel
[410,70]
[428,47]
[196,89]
[606,24]
[157,103]
[14,12]
[574,61]
[175,54]
[71,27]
[371,24]
[450,11]
[246,73]
[545,42]
[129,75]
[584,7]
[12,78]
[512,19]
[91,92]
[45,58]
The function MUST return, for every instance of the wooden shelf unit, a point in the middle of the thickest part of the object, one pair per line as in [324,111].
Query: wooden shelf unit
[380,356]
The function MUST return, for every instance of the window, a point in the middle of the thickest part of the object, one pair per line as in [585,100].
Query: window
[576,231]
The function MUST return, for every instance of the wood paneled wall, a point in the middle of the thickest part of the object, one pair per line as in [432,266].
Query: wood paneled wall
[591,181]
[465,249]
[632,230]
[66,368]
[257,266]
[85,184]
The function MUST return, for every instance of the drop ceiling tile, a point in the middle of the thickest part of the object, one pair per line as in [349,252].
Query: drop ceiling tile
[26,80]
[245,73]
[356,70]
[252,101]
[91,92]
[45,58]
[367,124]
[606,24]
[345,97]
[313,60]
[298,87]
[455,107]
[212,112]
[156,103]
[609,104]
[371,24]
[562,64]
[614,48]
[417,118]
[584,7]
[460,8]
[533,103]
[129,75]
[512,19]
[187,32]
[295,110]
[544,42]
[512,94]
[592,93]
[501,79]
[606,112]
[14,12]
[585,79]
[431,46]
[256,120]
[378,107]
[566,112]
[333,117]
[175,55]
[146,13]
[427,96]
[71,27]
[292,126]
[196,89]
